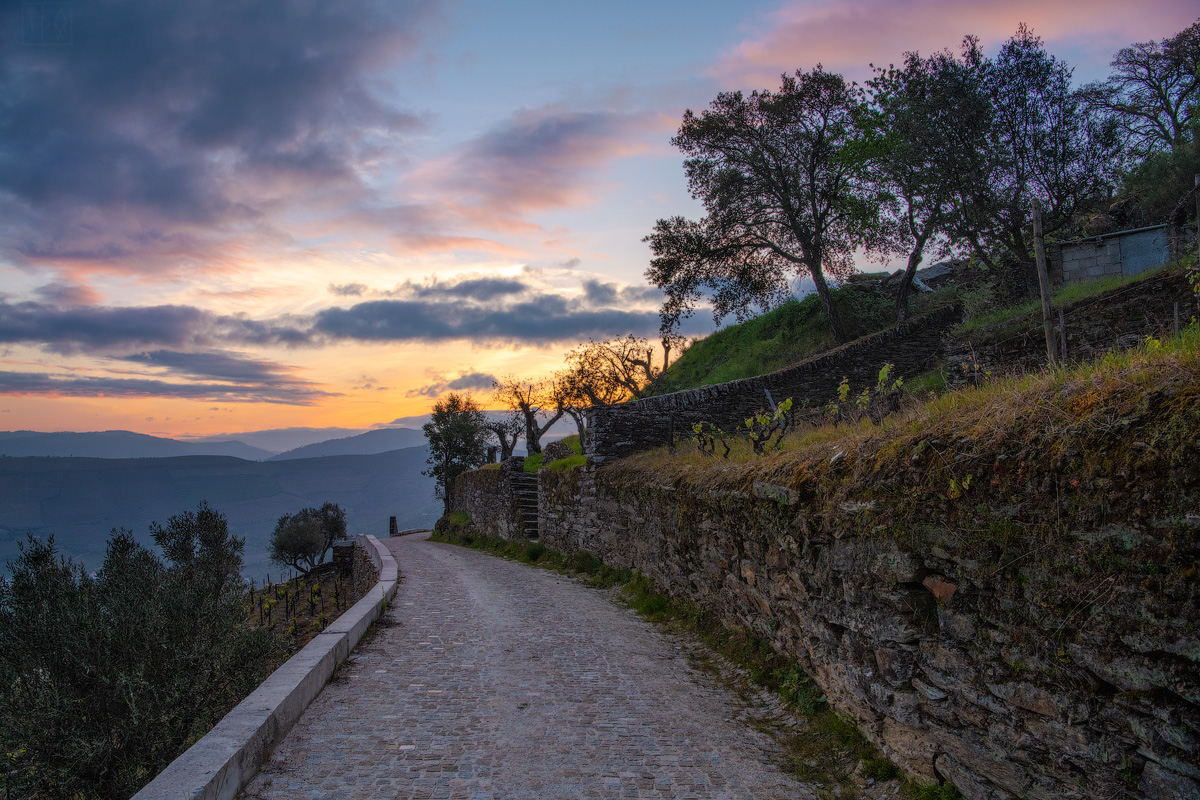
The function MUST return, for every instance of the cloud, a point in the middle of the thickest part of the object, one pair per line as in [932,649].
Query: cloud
[541,320]
[467,382]
[223,366]
[482,289]
[174,134]
[487,310]
[847,36]
[538,159]
[73,329]
[42,384]
[348,289]
[68,294]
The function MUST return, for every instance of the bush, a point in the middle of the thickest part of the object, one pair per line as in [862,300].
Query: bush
[104,680]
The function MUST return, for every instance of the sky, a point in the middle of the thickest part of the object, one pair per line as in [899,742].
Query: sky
[219,217]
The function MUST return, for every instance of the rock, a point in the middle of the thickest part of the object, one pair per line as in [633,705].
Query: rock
[1027,696]
[780,494]
[956,626]
[1159,783]
[942,589]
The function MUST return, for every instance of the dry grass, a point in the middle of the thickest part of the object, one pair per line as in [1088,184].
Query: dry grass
[1112,440]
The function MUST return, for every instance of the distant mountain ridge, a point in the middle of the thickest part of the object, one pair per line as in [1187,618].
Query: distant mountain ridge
[377,441]
[79,500]
[118,444]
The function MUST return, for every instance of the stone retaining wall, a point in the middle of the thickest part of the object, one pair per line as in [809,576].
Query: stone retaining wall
[1119,318]
[490,498]
[913,347]
[956,676]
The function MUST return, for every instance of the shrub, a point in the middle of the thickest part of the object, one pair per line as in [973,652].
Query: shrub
[104,680]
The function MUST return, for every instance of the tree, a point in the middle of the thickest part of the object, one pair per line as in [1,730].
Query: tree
[332,518]
[458,440]
[297,541]
[782,195]
[926,139]
[105,679]
[532,400]
[1045,143]
[1154,92]
[508,432]
[302,540]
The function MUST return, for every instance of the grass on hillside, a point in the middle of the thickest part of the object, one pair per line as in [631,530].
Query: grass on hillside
[792,332]
[533,462]
[986,317]
[827,751]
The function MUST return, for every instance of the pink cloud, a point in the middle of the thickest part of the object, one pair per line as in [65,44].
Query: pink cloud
[846,36]
[537,160]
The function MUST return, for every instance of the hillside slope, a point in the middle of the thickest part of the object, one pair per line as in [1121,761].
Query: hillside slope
[118,444]
[781,337]
[379,441]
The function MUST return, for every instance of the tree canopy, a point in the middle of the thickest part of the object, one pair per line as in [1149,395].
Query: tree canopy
[783,194]
[458,441]
[533,401]
[302,540]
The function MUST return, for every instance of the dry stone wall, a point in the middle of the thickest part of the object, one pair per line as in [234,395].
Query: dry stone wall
[956,669]
[490,497]
[1120,318]
[913,347]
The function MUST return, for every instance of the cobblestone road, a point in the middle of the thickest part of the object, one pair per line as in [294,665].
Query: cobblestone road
[496,680]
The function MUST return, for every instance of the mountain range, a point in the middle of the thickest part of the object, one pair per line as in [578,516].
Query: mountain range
[79,500]
[118,444]
[376,441]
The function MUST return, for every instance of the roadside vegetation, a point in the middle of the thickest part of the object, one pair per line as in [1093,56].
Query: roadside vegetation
[106,677]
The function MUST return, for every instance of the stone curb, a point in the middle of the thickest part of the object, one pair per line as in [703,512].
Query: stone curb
[219,765]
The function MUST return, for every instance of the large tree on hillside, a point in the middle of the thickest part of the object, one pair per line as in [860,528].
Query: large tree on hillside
[782,196]
[1044,143]
[1154,92]
[926,138]
[458,441]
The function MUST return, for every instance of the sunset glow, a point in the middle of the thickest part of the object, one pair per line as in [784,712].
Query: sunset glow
[218,220]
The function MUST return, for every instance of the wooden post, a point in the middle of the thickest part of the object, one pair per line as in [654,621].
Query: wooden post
[1062,337]
[1039,251]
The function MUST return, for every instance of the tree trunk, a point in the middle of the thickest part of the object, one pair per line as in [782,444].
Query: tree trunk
[532,434]
[831,313]
[906,282]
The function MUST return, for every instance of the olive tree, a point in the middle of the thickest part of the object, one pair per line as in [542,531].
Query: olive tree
[783,195]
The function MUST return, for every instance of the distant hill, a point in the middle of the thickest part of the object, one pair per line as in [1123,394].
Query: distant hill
[78,500]
[378,441]
[118,444]
[277,440]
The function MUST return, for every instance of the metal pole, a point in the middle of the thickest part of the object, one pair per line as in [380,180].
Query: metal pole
[1039,251]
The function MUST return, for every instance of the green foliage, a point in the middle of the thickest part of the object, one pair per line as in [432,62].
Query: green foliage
[105,679]
[533,462]
[790,333]
[458,440]
[297,541]
[875,403]
[762,426]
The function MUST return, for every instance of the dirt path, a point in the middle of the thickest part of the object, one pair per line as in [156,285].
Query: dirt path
[491,679]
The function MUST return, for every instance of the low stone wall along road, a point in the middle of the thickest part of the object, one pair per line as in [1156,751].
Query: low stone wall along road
[491,679]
